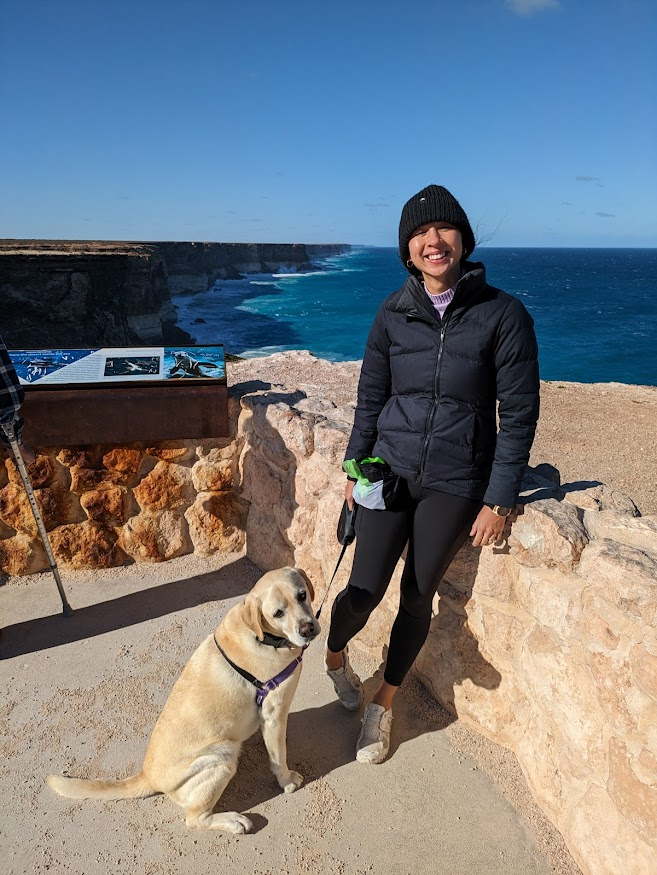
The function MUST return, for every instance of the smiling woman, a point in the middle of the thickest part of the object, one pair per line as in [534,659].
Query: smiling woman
[436,250]
[443,352]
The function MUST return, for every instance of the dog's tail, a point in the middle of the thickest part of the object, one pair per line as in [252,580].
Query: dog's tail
[135,787]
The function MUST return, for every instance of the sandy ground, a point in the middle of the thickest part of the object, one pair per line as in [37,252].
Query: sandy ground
[82,697]
[595,432]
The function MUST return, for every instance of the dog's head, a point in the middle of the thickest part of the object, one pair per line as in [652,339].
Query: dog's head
[281,603]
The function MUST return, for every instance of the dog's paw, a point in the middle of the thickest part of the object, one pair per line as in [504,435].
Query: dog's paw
[291,782]
[238,824]
[230,821]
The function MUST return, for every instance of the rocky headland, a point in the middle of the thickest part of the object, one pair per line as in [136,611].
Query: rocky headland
[57,293]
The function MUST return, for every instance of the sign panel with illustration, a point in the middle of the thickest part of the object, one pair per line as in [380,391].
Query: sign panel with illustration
[110,366]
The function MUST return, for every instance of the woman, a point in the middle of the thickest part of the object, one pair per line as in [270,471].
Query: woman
[441,352]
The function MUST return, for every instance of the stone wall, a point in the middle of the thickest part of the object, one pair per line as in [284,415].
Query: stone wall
[545,644]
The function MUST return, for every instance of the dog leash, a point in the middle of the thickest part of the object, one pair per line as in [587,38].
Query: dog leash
[346,534]
[262,687]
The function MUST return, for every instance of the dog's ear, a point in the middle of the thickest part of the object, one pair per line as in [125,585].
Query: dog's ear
[252,614]
[311,588]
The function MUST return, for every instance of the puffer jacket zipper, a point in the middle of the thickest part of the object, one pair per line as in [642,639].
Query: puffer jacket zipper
[434,402]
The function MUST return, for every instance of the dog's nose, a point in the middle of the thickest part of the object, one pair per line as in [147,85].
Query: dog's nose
[307,630]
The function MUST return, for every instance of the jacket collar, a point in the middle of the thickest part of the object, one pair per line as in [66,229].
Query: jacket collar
[414,301]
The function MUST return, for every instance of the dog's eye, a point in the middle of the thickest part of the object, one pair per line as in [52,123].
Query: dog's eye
[279,613]
[301,596]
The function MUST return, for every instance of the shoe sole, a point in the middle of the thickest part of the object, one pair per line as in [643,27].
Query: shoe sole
[371,761]
[352,707]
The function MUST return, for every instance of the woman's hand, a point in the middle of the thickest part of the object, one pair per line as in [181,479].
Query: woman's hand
[487,528]
[349,494]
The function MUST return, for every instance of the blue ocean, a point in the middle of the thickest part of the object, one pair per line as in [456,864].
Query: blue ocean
[595,310]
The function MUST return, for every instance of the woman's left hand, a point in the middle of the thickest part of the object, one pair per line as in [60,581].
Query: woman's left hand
[487,528]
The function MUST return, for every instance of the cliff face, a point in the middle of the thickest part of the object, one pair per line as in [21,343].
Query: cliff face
[78,294]
[195,267]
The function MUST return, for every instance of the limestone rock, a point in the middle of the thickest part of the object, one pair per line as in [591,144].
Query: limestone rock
[626,577]
[263,483]
[266,545]
[644,670]
[551,599]
[56,506]
[79,457]
[91,479]
[602,841]
[216,523]
[558,681]
[169,452]
[212,476]
[601,497]
[331,440]
[548,533]
[44,471]
[155,537]
[224,450]
[124,462]
[107,506]
[22,555]
[167,487]
[640,532]
[313,479]
[86,545]
[273,419]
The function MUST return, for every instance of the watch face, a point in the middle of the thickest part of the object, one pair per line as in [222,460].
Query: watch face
[502,511]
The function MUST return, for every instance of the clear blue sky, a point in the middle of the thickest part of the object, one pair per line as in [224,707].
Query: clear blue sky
[314,122]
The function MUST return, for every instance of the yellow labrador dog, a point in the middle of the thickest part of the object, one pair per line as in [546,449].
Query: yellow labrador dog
[241,677]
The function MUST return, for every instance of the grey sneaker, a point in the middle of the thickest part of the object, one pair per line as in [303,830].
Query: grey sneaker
[347,684]
[374,739]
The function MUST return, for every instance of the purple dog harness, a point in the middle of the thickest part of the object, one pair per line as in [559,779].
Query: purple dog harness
[262,688]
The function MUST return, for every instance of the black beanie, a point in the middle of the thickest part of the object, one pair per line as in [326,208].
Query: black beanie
[433,204]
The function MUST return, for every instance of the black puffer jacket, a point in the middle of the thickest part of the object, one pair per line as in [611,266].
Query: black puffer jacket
[427,390]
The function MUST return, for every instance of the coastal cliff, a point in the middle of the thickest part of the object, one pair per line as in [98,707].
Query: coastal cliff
[195,267]
[98,293]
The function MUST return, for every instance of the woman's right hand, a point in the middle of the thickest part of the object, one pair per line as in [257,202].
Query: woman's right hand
[349,494]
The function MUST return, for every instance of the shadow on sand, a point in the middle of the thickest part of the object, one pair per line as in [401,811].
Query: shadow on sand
[145,604]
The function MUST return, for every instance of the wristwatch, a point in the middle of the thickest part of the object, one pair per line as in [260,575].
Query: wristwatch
[499,510]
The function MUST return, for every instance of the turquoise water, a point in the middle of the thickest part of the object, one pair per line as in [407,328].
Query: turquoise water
[595,310]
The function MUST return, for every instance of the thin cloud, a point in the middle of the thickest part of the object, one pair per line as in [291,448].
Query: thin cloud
[529,7]
[567,204]
[594,179]
[607,215]
[378,203]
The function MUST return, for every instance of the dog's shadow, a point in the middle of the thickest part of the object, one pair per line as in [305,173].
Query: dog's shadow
[321,740]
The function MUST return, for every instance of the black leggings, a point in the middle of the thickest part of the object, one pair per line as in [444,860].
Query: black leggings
[435,525]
